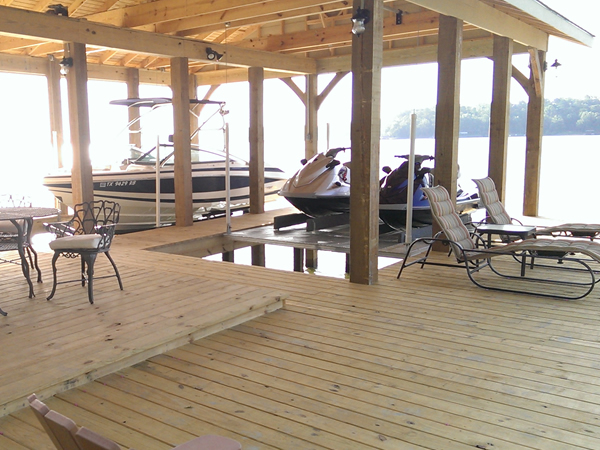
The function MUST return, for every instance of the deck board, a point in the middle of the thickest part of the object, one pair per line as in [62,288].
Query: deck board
[429,361]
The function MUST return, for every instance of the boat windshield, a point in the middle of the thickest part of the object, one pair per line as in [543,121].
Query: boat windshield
[198,156]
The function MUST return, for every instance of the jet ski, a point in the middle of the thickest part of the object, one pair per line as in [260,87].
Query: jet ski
[322,185]
[393,192]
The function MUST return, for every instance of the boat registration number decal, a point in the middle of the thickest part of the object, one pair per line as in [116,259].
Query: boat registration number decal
[117,183]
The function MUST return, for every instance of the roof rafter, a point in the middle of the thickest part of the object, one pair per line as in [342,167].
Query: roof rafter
[57,28]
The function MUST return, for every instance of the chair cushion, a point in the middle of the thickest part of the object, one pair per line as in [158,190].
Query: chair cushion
[491,201]
[77,242]
[444,212]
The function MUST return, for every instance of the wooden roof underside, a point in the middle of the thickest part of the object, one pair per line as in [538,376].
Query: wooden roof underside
[316,30]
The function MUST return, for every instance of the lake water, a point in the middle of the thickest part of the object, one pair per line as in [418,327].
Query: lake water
[568,182]
[568,179]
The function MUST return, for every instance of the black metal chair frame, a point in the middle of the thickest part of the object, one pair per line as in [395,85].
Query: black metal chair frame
[98,217]
[475,260]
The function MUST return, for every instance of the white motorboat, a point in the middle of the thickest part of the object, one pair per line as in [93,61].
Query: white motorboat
[133,184]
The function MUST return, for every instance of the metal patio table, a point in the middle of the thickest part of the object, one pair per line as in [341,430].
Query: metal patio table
[22,219]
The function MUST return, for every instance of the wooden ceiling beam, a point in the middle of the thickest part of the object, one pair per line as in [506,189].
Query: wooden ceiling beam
[165,10]
[490,19]
[21,22]
[341,34]
[237,18]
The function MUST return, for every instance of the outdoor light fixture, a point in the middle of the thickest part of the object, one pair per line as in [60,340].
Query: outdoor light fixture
[212,55]
[360,20]
[555,64]
[65,64]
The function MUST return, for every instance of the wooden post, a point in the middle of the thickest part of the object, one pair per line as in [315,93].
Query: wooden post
[448,105]
[228,256]
[193,87]
[535,131]
[181,142]
[500,112]
[79,119]
[311,136]
[367,55]
[311,145]
[256,135]
[299,259]
[54,100]
[258,255]
[133,91]
[447,115]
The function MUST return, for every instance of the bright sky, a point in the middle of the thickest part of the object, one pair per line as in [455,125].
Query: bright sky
[404,89]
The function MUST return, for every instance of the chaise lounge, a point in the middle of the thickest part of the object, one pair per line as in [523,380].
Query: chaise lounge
[496,213]
[526,263]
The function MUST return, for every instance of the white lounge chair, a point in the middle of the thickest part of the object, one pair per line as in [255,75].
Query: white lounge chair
[496,213]
[471,254]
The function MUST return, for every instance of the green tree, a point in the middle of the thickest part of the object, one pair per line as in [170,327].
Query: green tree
[562,116]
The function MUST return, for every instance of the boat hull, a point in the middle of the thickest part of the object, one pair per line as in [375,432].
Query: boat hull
[320,206]
[135,191]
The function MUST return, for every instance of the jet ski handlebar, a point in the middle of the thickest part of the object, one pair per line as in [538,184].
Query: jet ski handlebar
[332,152]
[418,158]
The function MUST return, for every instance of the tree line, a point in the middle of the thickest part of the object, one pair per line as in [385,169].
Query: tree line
[562,116]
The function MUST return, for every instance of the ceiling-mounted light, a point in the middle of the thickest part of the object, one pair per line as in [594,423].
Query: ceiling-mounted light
[360,20]
[58,10]
[213,55]
[65,64]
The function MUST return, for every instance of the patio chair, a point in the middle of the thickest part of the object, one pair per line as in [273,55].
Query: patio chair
[496,213]
[67,435]
[471,253]
[89,232]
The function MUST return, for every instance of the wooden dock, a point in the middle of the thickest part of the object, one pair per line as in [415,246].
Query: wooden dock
[430,361]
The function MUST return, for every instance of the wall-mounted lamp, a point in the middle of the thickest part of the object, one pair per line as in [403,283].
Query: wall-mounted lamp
[65,64]
[360,20]
[212,55]
[57,10]
[399,17]
[555,64]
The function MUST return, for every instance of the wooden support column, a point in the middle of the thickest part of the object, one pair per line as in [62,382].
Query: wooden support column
[79,120]
[311,136]
[181,142]
[311,148]
[258,255]
[54,100]
[535,131]
[367,55]
[447,114]
[500,112]
[228,256]
[133,91]
[256,76]
[299,259]
[193,87]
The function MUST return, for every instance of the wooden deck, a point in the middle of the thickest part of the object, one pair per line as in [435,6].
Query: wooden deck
[430,361]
